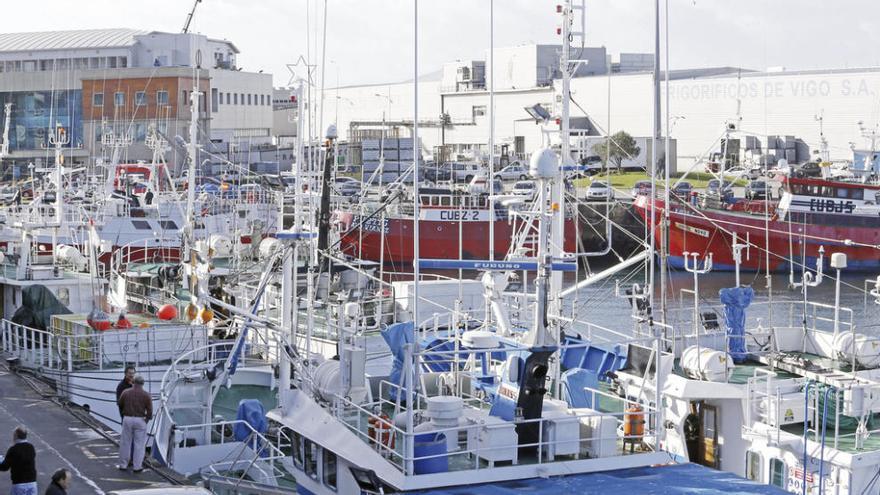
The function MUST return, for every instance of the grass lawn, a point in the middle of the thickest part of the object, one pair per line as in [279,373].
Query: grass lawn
[627,180]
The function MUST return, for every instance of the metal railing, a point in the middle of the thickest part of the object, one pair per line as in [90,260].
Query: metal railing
[357,417]
[96,350]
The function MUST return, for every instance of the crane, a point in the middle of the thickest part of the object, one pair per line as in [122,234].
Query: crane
[189,17]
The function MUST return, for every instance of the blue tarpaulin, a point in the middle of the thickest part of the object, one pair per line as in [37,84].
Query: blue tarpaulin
[397,336]
[736,300]
[251,412]
[574,382]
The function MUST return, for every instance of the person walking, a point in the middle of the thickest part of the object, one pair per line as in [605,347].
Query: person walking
[60,483]
[137,410]
[21,462]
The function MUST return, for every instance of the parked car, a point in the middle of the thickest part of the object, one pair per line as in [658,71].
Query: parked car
[514,171]
[641,187]
[682,190]
[599,190]
[464,172]
[758,189]
[526,188]
[436,173]
[809,169]
[593,164]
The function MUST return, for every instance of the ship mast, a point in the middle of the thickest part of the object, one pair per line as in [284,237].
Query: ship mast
[193,149]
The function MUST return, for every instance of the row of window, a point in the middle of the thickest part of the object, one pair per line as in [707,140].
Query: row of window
[220,98]
[431,200]
[755,466]
[140,98]
[164,224]
[78,63]
[827,191]
[307,455]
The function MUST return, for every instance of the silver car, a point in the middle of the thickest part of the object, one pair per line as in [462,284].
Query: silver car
[599,190]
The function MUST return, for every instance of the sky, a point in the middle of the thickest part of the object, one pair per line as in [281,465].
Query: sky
[371,41]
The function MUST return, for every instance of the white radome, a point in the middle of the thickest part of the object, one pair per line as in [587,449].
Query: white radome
[544,164]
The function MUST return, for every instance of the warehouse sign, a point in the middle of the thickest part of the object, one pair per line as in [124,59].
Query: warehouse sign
[794,87]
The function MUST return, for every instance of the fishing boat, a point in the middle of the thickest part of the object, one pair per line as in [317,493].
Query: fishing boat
[454,225]
[813,215]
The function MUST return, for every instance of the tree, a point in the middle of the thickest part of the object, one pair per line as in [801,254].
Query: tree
[621,145]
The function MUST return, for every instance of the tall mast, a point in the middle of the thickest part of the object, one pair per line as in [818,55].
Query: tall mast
[664,232]
[490,180]
[7,117]
[193,150]
[557,191]
[655,135]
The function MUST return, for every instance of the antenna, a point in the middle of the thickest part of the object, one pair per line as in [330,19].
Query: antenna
[824,155]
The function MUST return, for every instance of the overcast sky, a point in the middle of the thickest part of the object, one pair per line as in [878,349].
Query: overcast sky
[370,41]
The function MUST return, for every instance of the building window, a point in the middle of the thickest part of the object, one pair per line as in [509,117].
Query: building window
[119,99]
[236,98]
[479,110]
[228,98]
[98,99]
[777,473]
[249,98]
[140,132]
[123,62]
[141,224]
[140,98]
[753,466]
[268,100]
[330,469]
[185,98]
[215,99]
[262,100]
[161,97]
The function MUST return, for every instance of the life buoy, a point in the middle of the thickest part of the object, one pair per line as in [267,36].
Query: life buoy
[634,421]
[380,430]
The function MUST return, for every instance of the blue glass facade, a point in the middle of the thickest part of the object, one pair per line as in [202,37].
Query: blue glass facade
[36,113]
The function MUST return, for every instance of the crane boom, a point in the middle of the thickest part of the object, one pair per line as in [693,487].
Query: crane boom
[189,17]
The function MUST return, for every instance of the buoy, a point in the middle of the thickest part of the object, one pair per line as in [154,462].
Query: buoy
[123,322]
[191,312]
[99,320]
[167,312]
[206,315]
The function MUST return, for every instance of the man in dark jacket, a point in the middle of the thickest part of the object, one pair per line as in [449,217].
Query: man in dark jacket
[60,483]
[137,411]
[125,384]
[21,462]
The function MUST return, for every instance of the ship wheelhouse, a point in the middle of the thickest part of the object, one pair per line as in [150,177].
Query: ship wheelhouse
[825,202]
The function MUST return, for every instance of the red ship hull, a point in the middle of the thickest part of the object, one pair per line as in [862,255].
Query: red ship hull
[711,231]
[437,239]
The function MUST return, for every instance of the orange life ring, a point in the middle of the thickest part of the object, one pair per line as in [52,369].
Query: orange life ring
[380,430]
